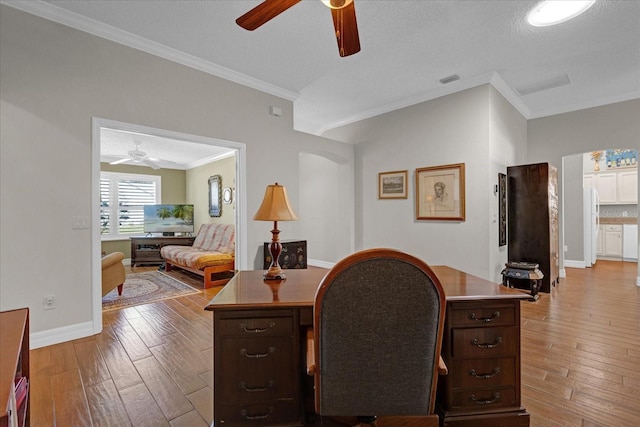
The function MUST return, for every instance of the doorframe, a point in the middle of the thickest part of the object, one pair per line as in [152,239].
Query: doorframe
[241,199]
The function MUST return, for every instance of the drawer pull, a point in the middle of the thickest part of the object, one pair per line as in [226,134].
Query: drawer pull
[245,353]
[243,326]
[495,398]
[246,415]
[493,317]
[491,374]
[244,387]
[497,341]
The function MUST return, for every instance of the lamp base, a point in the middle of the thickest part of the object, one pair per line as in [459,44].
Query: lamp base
[273,276]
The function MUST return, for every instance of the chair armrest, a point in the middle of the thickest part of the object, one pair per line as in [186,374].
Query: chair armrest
[442,367]
[111,259]
[311,353]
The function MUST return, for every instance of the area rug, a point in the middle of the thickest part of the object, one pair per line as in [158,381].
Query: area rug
[186,277]
[143,288]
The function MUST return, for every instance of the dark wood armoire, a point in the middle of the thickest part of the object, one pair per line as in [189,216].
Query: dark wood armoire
[532,217]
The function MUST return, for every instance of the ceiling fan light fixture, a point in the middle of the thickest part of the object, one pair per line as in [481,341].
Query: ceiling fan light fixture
[337,4]
[552,12]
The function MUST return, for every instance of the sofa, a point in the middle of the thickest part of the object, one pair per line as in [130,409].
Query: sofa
[212,254]
[113,274]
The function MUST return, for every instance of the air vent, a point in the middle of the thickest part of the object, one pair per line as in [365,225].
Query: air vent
[450,79]
[550,83]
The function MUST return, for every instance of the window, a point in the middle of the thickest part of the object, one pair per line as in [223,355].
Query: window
[122,197]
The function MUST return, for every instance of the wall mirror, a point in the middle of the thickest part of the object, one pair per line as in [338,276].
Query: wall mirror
[215,196]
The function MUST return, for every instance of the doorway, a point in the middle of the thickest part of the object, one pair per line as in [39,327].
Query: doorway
[579,172]
[99,124]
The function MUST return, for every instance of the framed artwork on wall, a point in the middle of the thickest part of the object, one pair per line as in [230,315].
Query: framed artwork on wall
[215,196]
[392,185]
[440,193]
[502,209]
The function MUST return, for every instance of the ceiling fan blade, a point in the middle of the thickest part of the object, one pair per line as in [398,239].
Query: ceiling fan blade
[123,160]
[150,163]
[264,12]
[344,22]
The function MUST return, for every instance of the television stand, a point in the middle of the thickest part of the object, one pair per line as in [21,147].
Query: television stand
[146,249]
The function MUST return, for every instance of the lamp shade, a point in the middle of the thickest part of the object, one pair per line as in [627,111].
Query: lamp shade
[275,205]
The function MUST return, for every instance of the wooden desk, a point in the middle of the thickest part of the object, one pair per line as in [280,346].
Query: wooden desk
[259,328]
[14,365]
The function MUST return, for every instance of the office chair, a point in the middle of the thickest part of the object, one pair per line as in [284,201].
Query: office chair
[377,333]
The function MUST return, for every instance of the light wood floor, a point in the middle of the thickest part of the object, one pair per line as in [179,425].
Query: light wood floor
[152,364]
[581,349]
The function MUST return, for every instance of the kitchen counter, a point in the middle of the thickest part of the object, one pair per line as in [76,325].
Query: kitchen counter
[618,220]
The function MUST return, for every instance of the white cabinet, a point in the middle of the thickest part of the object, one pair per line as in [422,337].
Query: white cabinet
[619,187]
[628,187]
[612,240]
[607,186]
[630,242]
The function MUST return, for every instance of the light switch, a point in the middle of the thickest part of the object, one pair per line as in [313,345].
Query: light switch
[79,222]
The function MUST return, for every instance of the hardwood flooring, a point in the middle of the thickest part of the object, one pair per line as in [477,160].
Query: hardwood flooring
[581,349]
[152,364]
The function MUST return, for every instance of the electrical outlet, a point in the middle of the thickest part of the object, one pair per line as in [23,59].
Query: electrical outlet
[49,302]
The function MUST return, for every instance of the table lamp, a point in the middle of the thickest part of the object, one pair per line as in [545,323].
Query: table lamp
[275,207]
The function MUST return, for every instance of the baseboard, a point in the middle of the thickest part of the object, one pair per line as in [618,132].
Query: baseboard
[638,280]
[574,264]
[318,263]
[58,335]
[126,261]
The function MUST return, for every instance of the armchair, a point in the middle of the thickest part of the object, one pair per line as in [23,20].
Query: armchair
[377,333]
[112,272]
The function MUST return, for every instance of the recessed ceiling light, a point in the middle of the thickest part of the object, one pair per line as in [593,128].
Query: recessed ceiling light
[551,12]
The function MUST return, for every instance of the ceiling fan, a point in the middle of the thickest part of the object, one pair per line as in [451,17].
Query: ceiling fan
[138,156]
[342,11]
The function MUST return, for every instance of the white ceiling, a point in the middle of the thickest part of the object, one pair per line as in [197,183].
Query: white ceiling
[167,153]
[407,47]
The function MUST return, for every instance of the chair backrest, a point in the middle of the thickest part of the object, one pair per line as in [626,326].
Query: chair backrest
[216,238]
[378,322]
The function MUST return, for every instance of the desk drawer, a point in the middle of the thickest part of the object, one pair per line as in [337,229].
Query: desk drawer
[256,369]
[274,413]
[257,327]
[484,342]
[484,399]
[476,316]
[483,372]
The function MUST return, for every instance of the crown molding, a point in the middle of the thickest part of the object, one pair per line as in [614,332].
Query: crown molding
[585,105]
[493,78]
[210,159]
[70,19]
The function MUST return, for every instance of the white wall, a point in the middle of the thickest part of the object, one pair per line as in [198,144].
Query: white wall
[476,127]
[324,212]
[508,145]
[54,80]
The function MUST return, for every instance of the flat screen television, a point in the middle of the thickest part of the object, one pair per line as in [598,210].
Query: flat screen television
[168,219]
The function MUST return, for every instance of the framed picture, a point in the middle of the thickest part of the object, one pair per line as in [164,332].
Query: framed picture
[502,209]
[227,195]
[392,185]
[215,196]
[440,193]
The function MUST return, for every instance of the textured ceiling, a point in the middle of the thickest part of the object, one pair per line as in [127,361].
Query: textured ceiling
[407,47]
